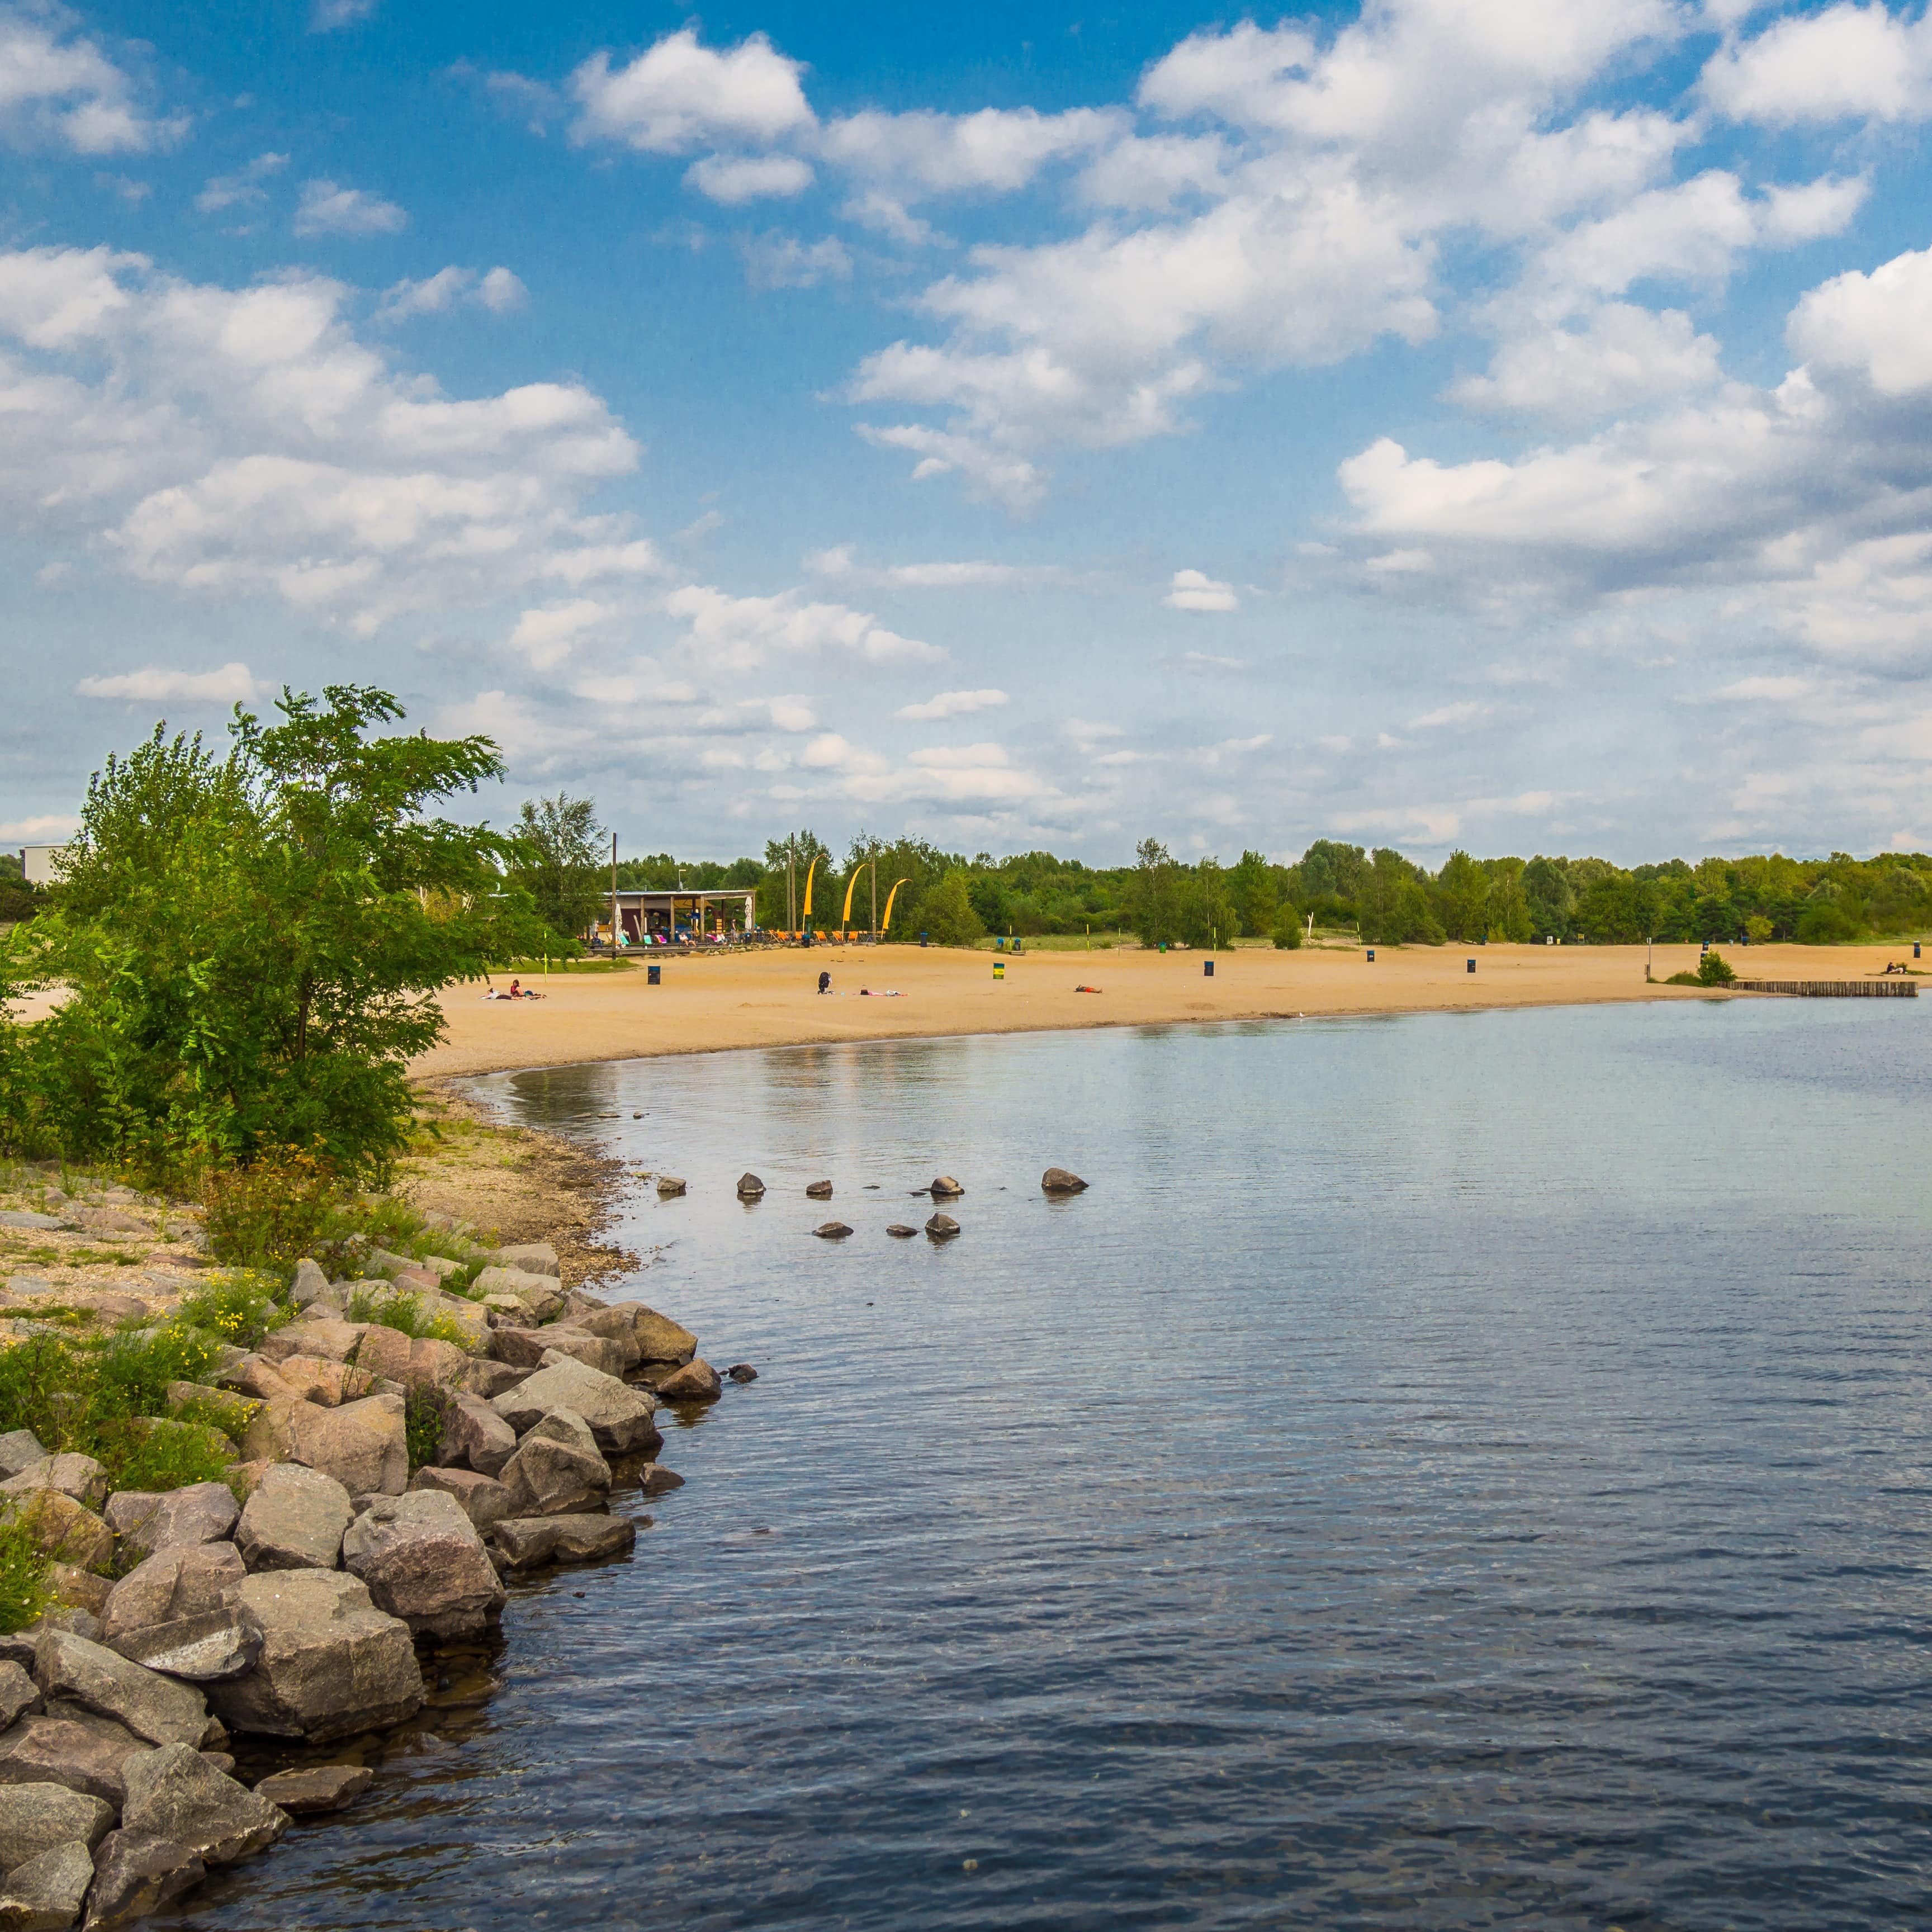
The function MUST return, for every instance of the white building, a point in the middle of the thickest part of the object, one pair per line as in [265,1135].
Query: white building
[39,865]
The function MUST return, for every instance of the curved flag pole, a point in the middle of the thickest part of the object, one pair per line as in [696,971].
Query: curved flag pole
[845,917]
[804,914]
[890,896]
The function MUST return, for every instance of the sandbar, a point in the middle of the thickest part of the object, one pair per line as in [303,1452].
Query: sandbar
[710,1003]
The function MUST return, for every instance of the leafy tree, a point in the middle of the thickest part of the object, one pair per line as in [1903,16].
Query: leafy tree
[1152,899]
[1824,922]
[1508,913]
[1714,970]
[1462,894]
[1256,894]
[948,918]
[1288,933]
[1546,886]
[562,868]
[251,943]
[1205,913]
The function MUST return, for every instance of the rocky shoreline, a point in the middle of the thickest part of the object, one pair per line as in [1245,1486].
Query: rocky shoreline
[402,1453]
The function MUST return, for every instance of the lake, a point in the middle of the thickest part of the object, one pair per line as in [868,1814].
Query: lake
[1450,1470]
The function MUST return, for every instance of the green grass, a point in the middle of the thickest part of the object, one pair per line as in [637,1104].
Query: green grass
[167,1454]
[407,1315]
[241,1309]
[24,1593]
[422,1423]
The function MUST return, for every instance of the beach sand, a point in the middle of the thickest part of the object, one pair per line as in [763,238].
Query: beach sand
[710,1003]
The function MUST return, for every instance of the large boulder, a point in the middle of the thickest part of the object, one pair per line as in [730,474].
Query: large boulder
[483,1499]
[620,1416]
[1061,1180]
[331,1664]
[90,1758]
[316,1788]
[527,1348]
[174,1793]
[475,1435]
[613,1325]
[334,1341]
[61,1528]
[45,1894]
[19,1694]
[556,1470]
[696,1382]
[256,1377]
[187,1581]
[659,1339]
[136,1873]
[539,1295]
[148,1521]
[539,1257]
[79,1477]
[328,1383]
[19,1449]
[203,1649]
[70,1670]
[384,1353]
[311,1280]
[423,1561]
[528,1543]
[294,1520]
[34,1818]
[487,1380]
[433,1365]
[364,1445]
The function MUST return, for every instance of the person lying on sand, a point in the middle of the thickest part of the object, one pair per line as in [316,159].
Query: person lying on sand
[866,993]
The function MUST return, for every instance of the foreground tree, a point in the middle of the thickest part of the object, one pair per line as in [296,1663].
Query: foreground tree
[251,945]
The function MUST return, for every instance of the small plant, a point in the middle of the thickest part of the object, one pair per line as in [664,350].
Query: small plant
[241,1309]
[1288,934]
[73,1392]
[272,1212]
[407,1315]
[422,1423]
[1714,970]
[24,1593]
[152,1453]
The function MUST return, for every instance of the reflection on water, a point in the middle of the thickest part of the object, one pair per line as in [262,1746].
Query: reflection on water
[1447,1471]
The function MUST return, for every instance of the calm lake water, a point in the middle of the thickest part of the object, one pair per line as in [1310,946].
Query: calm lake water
[1447,1471]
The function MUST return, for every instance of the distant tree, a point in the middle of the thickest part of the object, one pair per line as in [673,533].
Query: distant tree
[1288,934]
[1508,913]
[1257,896]
[948,918]
[1546,886]
[1714,970]
[1462,895]
[1824,923]
[563,863]
[1203,911]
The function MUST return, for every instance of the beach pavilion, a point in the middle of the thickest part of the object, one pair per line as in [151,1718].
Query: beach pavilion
[665,919]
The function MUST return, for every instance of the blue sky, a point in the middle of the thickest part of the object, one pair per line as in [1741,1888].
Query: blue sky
[1500,423]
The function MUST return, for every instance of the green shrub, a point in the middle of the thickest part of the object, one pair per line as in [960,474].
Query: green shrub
[76,1393]
[239,1309]
[1714,970]
[422,1421]
[1288,933]
[272,1212]
[407,1315]
[24,1593]
[155,1452]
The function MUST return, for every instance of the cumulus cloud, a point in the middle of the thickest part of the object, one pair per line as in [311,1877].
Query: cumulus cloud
[1623,357]
[328,208]
[499,291]
[1195,590]
[1849,62]
[58,89]
[44,830]
[232,684]
[839,564]
[734,179]
[1878,325]
[329,15]
[242,189]
[952,704]
[728,633]
[244,441]
[678,95]
[779,262]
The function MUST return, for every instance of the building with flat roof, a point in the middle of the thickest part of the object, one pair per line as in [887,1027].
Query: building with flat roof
[661,919]
[39,865]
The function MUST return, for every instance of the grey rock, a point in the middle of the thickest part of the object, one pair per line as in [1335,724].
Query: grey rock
[136,1873]
[945,1188]
[173,1794]
[527,1543]
[62,1750]
[190,1580]
[158,1708]
[696,1382]
[331,1664]
[316,1788]
[61,1528]
[556,1469]
[484,1500]
[620,1417]
[528,1348]
[423,1561]
[79,1477]
[832,1231]
[900,1232]
[310,1282]
[658,1338]
[487,1380]
[655,1480]
[334,1341]
[539,1257]
[818,1190]
[541,1295]
[19,1695]
[21,1218]
[46,1894]
[34,1818]
[750,1187]
[742,1372]
[942,1227]
[364,1445]
[670,1186]
[294,1521]
[204,1649]
[616,1325]
[475,1436]
[19,1449]
[167,1519]
[1058,1181]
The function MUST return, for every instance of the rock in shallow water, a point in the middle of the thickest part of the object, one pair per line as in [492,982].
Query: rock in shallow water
[750,1187]
[135,1874]
[556,1470]
[317,1788]
[173,1793]
[696,1382]
[945,1188]
[942,1227]
[832,1231]
[742,1372]
[528,1542]
[1058,1181]
[423,1561]
[900,1232]
[818,1190]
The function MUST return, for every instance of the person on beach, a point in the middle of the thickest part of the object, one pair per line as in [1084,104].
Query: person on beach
[825,983]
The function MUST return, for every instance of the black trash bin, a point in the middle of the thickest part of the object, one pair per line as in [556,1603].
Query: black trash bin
[654,974]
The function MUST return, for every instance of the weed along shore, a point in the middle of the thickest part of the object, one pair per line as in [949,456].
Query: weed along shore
[251,1521]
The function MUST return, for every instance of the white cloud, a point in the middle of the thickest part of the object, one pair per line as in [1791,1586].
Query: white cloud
[727,634]
[1880,325]
[1623,357]
[838,565]
[545,638]
[42,830]
[327,208]
[329,15]
[952,704]
[58,89]
[232,684]
[1207,664]
[995,150]
[1194,590]
[243,189]
[734,179]
[779,262]
[499,291]
[678,95]
[244,441]
[1847,63]
[999,474]
[1448,716]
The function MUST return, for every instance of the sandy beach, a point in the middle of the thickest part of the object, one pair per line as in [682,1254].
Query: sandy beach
[709,1003]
